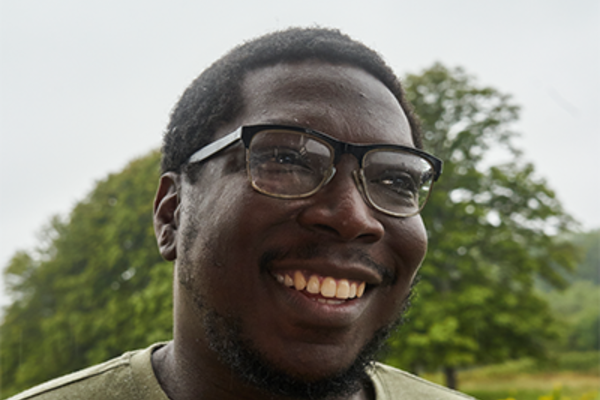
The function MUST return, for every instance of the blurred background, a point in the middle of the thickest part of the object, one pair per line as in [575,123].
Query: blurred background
[86,87]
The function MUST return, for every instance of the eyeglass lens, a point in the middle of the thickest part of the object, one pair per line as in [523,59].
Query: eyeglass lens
[288,163]
[397,181]
[292,164]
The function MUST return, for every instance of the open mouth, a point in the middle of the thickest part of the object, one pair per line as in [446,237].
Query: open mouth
[322,289]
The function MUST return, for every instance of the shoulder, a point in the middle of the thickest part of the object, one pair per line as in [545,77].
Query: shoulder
[391,383]
[129,376]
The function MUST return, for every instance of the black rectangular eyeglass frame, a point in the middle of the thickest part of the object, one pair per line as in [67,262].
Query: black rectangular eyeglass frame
[245,133]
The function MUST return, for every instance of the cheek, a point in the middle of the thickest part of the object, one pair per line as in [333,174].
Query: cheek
[230,217]
[419,233]
[208,215]
[409,240]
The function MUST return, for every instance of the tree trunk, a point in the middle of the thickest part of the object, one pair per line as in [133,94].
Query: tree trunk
[414,368]
[451,379]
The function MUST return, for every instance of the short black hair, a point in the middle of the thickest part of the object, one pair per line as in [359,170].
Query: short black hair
[214,98]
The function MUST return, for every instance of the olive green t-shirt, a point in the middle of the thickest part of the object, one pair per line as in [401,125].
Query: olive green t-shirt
[131,377]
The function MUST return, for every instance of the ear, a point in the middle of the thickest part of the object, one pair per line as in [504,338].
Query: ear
[166,215]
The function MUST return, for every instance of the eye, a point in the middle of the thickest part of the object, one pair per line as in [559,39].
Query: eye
[287,156]
[398,182]
[282,160]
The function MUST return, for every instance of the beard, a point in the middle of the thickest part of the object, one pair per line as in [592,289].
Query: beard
[225,336]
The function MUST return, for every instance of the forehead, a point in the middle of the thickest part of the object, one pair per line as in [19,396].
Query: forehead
[342,101]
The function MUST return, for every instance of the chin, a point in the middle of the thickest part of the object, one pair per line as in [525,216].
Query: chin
[317,379]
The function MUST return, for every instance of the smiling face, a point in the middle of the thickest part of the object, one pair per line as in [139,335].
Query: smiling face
[288,275]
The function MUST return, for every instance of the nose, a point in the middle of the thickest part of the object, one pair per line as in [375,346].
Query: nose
[339,210]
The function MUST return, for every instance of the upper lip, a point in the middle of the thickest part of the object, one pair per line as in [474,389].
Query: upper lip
[350,270]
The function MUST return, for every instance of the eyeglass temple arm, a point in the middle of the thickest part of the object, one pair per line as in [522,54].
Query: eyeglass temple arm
[216,146]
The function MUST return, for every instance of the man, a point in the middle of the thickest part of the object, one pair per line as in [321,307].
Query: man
[289,202]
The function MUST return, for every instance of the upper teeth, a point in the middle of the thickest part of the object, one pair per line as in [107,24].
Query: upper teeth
[325,286]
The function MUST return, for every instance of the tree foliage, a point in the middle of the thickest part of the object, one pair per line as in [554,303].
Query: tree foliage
[96,288]
[578,307]
[578,310]
[589,268]
[492,230]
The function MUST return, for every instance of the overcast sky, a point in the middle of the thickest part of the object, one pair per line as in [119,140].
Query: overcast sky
[85,86]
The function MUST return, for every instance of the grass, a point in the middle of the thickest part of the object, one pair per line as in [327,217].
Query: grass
[534,386]
[569,376]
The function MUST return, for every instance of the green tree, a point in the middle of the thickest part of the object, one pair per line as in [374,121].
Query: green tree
[578,310]
[589,268]
[492,231]
[96,287]
[578,306]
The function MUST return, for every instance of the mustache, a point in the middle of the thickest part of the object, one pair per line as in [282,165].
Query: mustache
[311,251]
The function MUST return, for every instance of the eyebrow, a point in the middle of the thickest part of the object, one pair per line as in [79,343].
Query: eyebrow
[296,124]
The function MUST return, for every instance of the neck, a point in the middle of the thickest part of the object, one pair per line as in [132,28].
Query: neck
[183,378]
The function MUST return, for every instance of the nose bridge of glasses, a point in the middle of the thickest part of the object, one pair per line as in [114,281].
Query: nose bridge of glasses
[347,196]
[352,151]
[343,148]
[351,168]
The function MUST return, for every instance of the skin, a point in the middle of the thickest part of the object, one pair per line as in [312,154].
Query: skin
[229,226]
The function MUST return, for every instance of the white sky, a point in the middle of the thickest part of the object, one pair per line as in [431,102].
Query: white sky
[85,86]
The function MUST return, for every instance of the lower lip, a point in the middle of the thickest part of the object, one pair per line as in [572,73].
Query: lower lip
[304,307]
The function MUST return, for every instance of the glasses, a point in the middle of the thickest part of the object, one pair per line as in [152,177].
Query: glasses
[291,162]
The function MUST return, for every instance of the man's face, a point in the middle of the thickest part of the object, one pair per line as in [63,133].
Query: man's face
[234,243]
